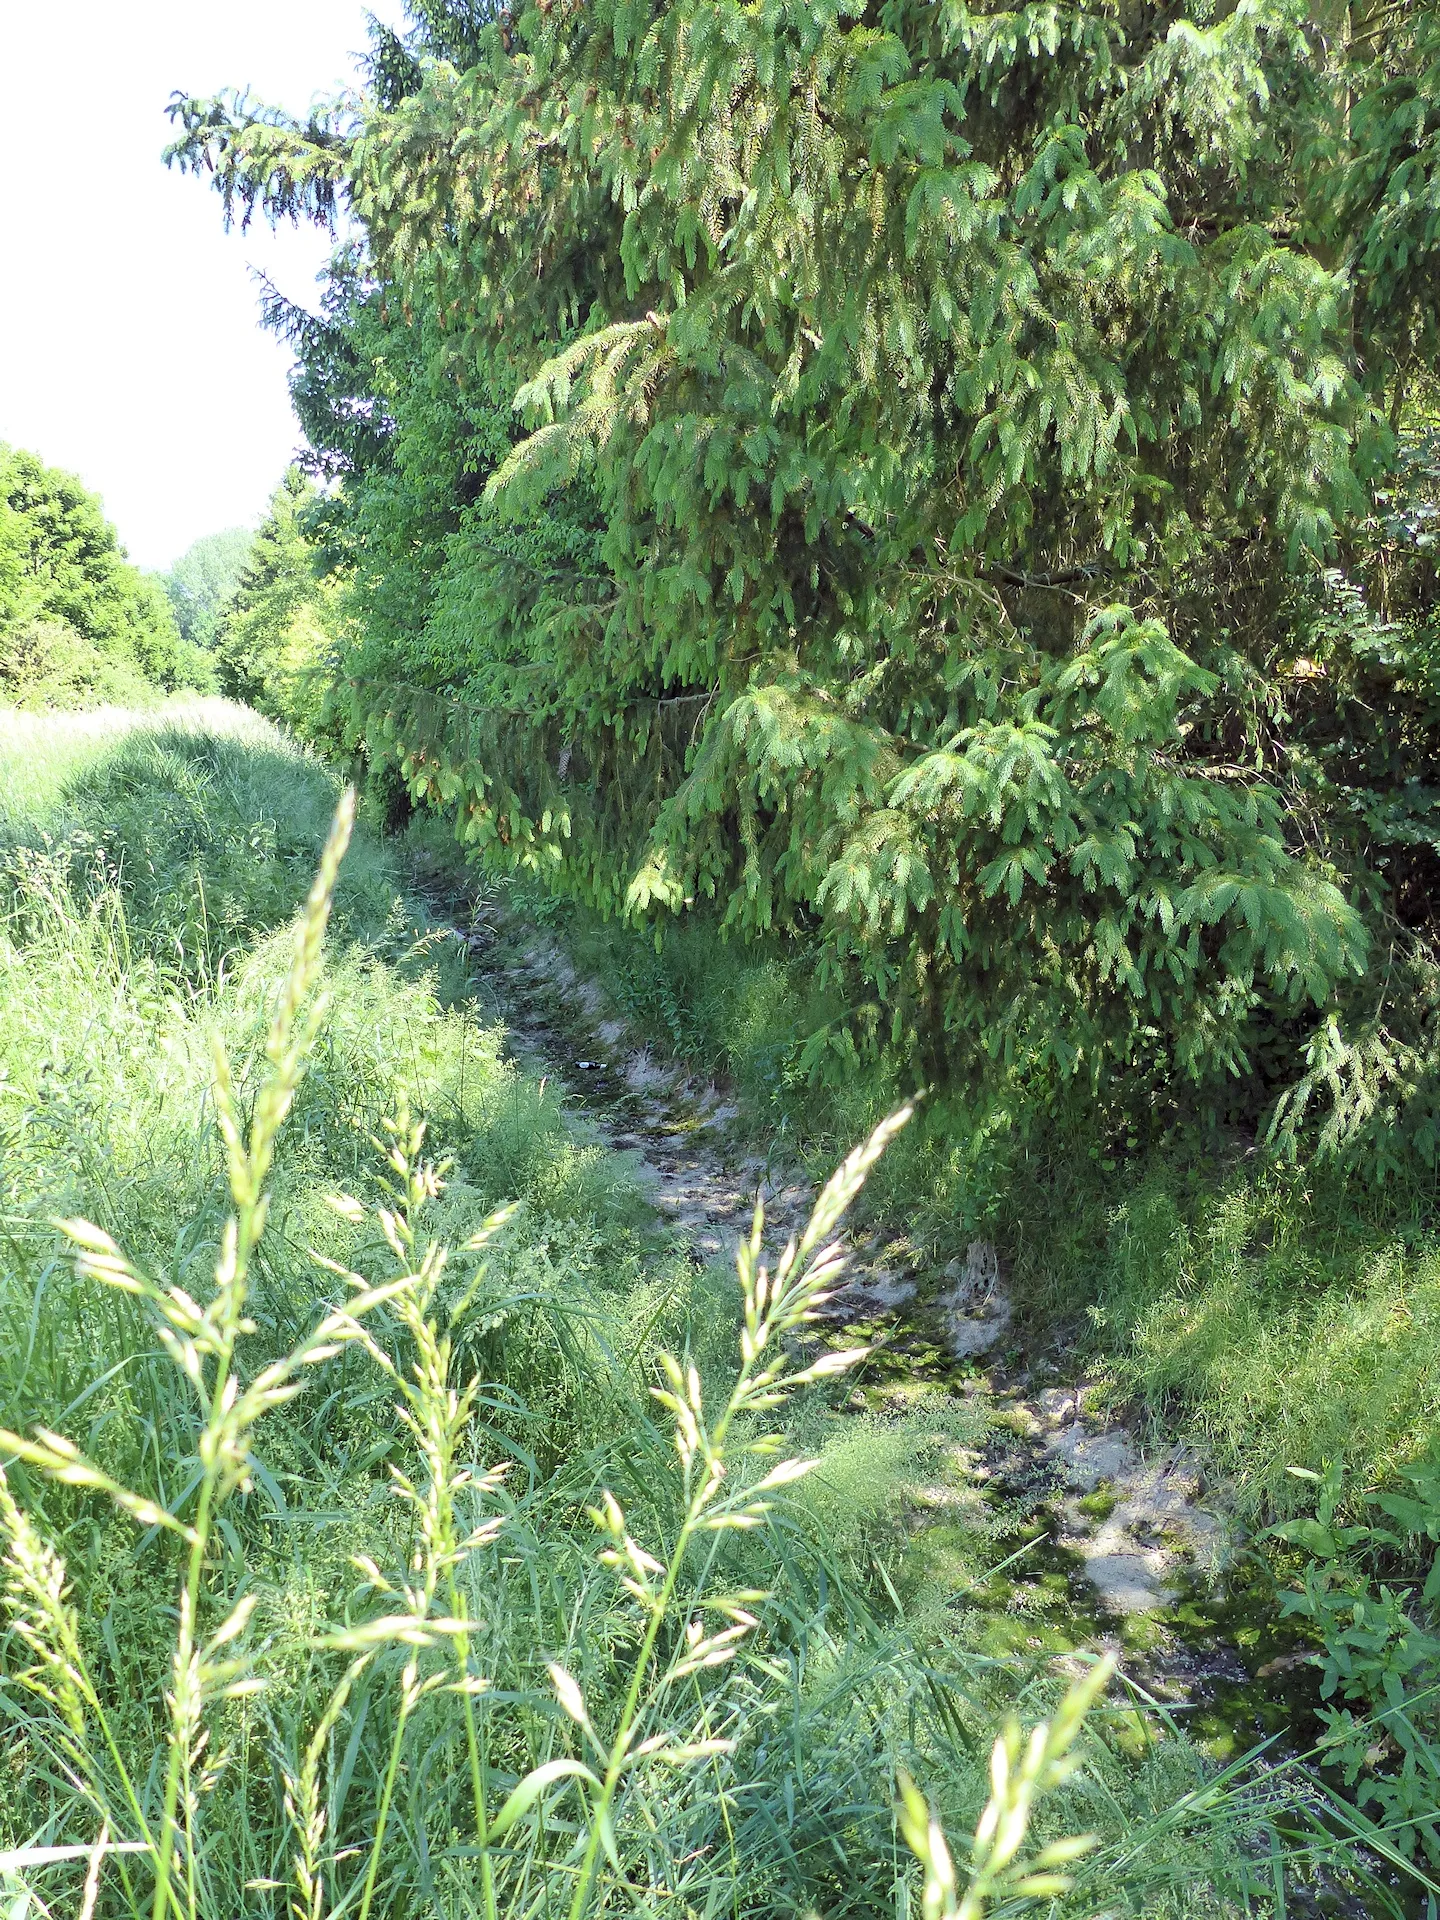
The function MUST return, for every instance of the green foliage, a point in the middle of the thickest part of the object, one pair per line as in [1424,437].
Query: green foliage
[350,1778]
[1360,703]
[47,663]
[275,634]
[1264,1314]
[939,418]
[965,531]
[433,584]
[1274,1317]
[186,824]
[76,619]
[203,580]
[1019,1777]
[1386,188]
[1382,1643]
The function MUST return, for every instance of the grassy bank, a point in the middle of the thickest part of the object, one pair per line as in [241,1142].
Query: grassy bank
[383,1569]
[1270,1315]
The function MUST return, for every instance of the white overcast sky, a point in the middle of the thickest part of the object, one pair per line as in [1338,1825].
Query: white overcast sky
[130,346]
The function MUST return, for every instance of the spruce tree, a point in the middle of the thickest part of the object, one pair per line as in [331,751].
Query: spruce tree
[930,422]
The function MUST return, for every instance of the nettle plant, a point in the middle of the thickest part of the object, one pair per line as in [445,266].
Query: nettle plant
[576,1798]
[1370,1586]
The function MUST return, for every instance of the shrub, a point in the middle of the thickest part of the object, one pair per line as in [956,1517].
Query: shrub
[47,663]
[1380,1669]
[62,567]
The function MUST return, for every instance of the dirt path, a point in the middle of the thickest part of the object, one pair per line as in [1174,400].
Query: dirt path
[680,1138]
[1129,1539]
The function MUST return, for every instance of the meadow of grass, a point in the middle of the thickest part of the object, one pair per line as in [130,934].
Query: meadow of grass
[350,1563]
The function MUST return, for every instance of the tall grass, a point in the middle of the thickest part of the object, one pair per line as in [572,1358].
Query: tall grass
[352,1563]
[41,752]
[690,1621]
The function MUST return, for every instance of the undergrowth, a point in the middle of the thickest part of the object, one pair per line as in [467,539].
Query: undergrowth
[1271,1315]
[471,1624]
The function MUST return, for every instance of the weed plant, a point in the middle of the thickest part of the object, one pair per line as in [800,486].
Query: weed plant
[352,1565]
[1380,1672]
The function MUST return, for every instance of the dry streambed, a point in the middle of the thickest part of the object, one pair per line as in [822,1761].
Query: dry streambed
[1124,1549]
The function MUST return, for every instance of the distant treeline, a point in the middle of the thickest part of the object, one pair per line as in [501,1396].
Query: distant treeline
[78,622]
[240,612]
